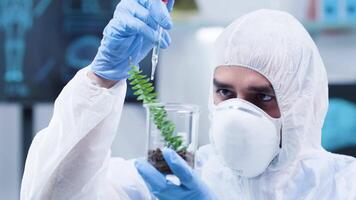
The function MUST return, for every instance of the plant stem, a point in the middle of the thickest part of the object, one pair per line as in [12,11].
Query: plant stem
[145,92]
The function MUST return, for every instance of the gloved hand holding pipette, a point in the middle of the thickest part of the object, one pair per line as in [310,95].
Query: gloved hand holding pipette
[131,34]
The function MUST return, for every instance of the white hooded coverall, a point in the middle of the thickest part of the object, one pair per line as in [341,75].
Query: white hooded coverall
[70,159]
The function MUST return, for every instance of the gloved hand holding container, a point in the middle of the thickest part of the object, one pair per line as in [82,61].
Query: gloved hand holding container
[171,126]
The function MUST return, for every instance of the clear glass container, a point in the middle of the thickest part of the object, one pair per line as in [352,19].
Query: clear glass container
[171,125]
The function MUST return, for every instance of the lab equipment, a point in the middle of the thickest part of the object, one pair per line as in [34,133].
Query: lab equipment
[166,130]
[330,11]
[340,125]
[351,10]
[130,34]
[16,28]
[156,48]
[155,53]
[240,126]
[180,135]
[189,187]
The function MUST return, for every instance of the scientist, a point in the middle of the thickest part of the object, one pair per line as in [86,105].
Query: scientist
[269,97]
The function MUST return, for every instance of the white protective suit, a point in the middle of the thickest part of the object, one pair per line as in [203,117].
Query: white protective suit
[70,159]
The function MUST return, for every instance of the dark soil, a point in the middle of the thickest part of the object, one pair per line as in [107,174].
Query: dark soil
[156,159]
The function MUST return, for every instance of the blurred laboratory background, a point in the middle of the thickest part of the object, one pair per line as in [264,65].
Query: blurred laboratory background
[44,42]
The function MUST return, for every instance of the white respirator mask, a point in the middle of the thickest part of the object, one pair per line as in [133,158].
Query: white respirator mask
[244,137]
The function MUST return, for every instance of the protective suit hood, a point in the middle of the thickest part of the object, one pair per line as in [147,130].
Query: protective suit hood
[277,46]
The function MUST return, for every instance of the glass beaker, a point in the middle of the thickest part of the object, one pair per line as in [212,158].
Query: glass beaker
[174,126]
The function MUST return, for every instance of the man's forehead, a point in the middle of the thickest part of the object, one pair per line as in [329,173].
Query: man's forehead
[239,73]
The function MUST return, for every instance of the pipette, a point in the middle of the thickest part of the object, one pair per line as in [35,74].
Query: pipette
[156,49]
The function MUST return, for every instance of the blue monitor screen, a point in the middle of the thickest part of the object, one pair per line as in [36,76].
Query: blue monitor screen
[43,43]
[339,129]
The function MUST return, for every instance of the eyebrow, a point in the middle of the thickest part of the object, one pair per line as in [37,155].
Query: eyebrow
[222,85]
[267,89]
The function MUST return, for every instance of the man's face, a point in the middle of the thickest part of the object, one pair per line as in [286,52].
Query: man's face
[238,82]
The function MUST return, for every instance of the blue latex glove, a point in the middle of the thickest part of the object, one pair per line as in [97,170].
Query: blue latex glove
[131,34]
[191,186]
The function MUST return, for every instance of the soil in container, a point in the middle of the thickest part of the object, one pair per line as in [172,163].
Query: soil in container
[156,159]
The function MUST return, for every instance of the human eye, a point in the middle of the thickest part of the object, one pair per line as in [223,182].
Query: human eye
[265,97]
[225,93]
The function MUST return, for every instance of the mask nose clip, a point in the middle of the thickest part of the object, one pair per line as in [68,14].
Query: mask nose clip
[250,112]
